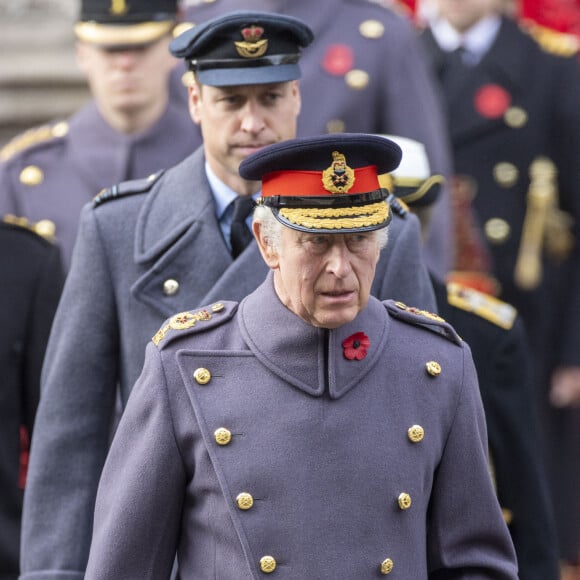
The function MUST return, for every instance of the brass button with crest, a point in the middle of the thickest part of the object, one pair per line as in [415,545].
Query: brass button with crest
[267,564]
[515,117]
[170,287]
[372,28]
[505,174]
[244,501]
[404,501]
[357,79]
[217,307]
[202,376]
[433,368]
[222,436]
[497,230]
[386,566]
[416,433]
[31,175]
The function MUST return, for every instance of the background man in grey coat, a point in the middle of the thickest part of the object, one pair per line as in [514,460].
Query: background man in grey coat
[150,248]
[128,130]
[310,431]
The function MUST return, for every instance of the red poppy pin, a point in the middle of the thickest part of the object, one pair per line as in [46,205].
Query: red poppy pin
[355,346]
[492,101]
[338,59]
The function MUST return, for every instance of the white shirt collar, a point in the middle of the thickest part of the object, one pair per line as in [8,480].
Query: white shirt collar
[477,40]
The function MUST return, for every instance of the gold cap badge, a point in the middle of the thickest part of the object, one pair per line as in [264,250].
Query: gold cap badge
[253,45]
[339,177]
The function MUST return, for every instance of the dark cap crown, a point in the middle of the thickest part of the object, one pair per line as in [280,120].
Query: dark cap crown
[244,47]
[326,184]
[127,11]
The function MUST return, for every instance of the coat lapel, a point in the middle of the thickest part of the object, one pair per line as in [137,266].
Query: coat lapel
[177,237]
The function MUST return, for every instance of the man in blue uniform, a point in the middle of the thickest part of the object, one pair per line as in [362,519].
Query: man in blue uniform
[310,431]
[149,248]
[512,103]
[364,72]
[129,129]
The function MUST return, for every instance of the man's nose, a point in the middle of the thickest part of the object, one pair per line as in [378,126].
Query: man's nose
[339,259]
[252,118]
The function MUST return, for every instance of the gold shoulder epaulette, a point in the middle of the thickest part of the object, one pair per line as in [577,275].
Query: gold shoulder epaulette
[194,321]
[423,318]
[44,228]
[483,305]
[553,41]
[33,137]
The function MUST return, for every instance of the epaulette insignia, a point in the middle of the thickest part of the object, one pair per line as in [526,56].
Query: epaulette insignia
[188,320]
[553,41]
[44,228]
[423,318]
[126,188]
[33,137]
[483,305]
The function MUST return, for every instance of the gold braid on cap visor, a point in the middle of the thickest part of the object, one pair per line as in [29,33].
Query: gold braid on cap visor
[337,218]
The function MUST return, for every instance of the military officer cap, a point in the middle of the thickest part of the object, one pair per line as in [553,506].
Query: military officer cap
[412,181]
[326,184]
[113,23]
[244,48]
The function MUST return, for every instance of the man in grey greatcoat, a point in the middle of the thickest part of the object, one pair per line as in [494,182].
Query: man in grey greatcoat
[311,430]
[147,249]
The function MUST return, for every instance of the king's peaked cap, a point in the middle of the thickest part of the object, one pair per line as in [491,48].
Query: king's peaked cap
[244,48]
[327,183]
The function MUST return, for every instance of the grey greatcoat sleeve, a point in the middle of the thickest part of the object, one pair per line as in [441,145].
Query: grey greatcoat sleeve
[149,463]
[75,397]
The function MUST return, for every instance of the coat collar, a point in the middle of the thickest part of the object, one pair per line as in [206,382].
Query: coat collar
[317,364]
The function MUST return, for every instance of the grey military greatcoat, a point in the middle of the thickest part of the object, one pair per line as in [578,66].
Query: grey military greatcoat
[140,258]
[252,444]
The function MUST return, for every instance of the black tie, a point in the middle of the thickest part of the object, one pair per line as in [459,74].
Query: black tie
[240,235]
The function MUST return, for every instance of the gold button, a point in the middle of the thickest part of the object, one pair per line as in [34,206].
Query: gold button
[386,566]
[245,501]
[202,376]
[515,117]
[46,229]
[357,79]
[188,79]
[31,175]
[217,307]
[497,230]
[505,174]
[401,305]
[267,564]
[404,500]
[433,368]
[372,28]
[416,433]
[170,287]
[60,129]
[222,436]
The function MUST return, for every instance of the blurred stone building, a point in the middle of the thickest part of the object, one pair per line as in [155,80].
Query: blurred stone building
[39,79]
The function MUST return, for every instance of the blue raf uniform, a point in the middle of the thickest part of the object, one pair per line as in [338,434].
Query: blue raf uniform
[146,249]
[364,72]
[273,446]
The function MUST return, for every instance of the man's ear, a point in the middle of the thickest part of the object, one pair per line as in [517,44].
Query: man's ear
[194,102]
[268,252]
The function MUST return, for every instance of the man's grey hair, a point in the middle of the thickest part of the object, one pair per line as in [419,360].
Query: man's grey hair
[272,229]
